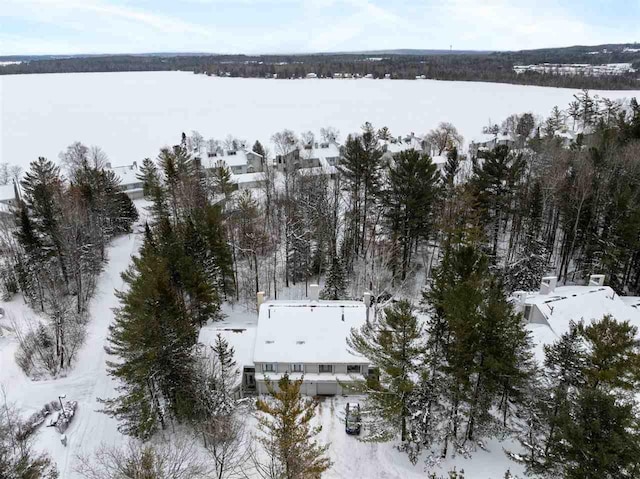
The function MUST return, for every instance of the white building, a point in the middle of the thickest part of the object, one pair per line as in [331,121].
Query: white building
[129,183]
[239,161]
[307,339]
[550,311]
[7,198]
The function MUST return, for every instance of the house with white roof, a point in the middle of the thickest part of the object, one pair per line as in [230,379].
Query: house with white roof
[7,198]
[488,141]
[239,161]
[307,339]
[130,183]
[550,311]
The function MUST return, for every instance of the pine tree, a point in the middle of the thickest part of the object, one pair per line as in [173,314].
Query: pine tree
[152,337]
[335,286]
[600,437]
[409,199]
[259,149]
[223,180]
[42,187]
[394,346]
[216,376]
[478,350]
[360,165]
[153,188]
[494,181]
[288,437]
[525,273]
[451,167]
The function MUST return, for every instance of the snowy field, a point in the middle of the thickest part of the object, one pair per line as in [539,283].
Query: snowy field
[132,115]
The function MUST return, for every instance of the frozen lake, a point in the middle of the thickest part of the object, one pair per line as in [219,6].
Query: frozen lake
[132,115]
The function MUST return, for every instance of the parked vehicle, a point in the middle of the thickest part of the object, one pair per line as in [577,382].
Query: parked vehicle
[353,421]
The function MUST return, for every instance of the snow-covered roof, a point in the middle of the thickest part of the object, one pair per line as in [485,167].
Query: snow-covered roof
[242,178]
[575,303]
[307,331]
[127,173]
[241,338]
[7,192]
[321,152]
[231,158]
[396,145]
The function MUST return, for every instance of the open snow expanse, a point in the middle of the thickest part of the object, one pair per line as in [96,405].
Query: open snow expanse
[132,115]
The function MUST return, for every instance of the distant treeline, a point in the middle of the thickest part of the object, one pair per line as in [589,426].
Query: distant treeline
[490,67]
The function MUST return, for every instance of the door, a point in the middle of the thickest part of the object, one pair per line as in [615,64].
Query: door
[327,389]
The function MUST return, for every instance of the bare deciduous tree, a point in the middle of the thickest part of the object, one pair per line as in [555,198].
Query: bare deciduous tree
[178,459]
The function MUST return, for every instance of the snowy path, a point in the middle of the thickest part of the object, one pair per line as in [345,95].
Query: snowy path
[86,382]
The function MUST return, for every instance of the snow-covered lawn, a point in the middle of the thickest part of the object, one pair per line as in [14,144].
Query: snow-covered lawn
[353,458]
[132,115]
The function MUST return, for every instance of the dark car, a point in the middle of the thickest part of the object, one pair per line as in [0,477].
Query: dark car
[353,421]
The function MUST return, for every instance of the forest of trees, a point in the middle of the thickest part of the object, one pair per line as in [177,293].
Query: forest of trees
[440,249]
[55,246]
[460,66]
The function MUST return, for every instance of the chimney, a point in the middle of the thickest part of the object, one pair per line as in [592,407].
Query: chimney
[314,292]
[520,300]
[367,302]
[260,299]
[596,280]
[548,284]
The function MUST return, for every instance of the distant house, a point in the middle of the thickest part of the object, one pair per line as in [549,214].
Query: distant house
[7,198]
[398,144]
[307,339]
[488,141]
[289,161]
[550,311]
[246,181]
[325,155]
[129,183]
[239,161]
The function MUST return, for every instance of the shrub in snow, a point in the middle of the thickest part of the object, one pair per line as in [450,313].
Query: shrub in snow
[64,417]
[36,353]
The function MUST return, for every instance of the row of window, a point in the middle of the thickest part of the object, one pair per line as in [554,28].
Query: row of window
[322,368]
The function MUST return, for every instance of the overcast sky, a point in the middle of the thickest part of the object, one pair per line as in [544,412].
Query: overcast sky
[282,26]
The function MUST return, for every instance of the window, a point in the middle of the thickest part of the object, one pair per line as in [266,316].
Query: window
[353,369]
[325,368]
[269,368]
[297,368]
[527,312]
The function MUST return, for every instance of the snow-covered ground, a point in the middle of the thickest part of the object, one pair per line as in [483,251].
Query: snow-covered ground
[132,115]
[88,379]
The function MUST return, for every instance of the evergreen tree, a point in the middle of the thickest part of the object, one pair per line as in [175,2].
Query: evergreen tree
[42,187]
[600,437]
[494,180]
[525,273]
[217,377]
[409,199]
[394,346]
[259,149]
[222,180]
[451,167]
[288,437]
[478,351]
[153,188]
[360,164]
[152,337]
[335,286]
